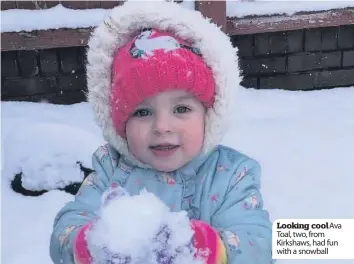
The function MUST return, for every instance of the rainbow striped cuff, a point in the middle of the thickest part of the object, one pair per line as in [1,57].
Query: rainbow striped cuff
[208,243]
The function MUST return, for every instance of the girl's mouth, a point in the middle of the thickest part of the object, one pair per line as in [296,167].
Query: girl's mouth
[164,149]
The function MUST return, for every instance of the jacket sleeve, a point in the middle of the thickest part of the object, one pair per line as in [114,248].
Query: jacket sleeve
[243,224]
[77,214]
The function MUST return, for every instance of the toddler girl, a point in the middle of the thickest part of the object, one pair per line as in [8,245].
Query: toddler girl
[162,81]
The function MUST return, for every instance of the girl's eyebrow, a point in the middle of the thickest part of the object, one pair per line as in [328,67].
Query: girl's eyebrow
[144,103]
[147,103]
[141,106]
[182,97]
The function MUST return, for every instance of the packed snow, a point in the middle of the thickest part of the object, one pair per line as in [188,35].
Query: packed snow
[16,20]
[146,222]
[303,141]
[51,142]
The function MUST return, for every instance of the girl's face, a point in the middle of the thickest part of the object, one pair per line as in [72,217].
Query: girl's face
[167,130]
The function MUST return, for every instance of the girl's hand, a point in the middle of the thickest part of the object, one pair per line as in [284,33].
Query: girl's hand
[139,229]
[209,245]
[82,254]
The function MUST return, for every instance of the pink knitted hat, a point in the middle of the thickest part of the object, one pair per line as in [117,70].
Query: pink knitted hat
[152,62]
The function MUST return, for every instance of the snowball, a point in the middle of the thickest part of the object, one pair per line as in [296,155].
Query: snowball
[129,225]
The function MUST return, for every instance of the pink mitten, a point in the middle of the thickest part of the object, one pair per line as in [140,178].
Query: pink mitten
[208,243]
[81,252]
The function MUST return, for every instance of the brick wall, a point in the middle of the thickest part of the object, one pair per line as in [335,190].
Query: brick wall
[53,75]
[292,60]
[305,59]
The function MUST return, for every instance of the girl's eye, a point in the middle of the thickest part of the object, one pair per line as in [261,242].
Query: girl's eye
[142,112]
[182,109]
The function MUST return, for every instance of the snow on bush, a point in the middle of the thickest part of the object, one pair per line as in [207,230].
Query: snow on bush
[140,229]
[242,8]
[16,20]
[47,154]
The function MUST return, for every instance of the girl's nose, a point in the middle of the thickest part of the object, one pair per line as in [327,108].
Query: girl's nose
[162,124]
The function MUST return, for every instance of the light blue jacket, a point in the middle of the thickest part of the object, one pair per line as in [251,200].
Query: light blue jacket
[221,188]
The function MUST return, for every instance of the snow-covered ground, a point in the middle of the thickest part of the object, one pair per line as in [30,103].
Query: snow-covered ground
[28,20]
[303,140]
